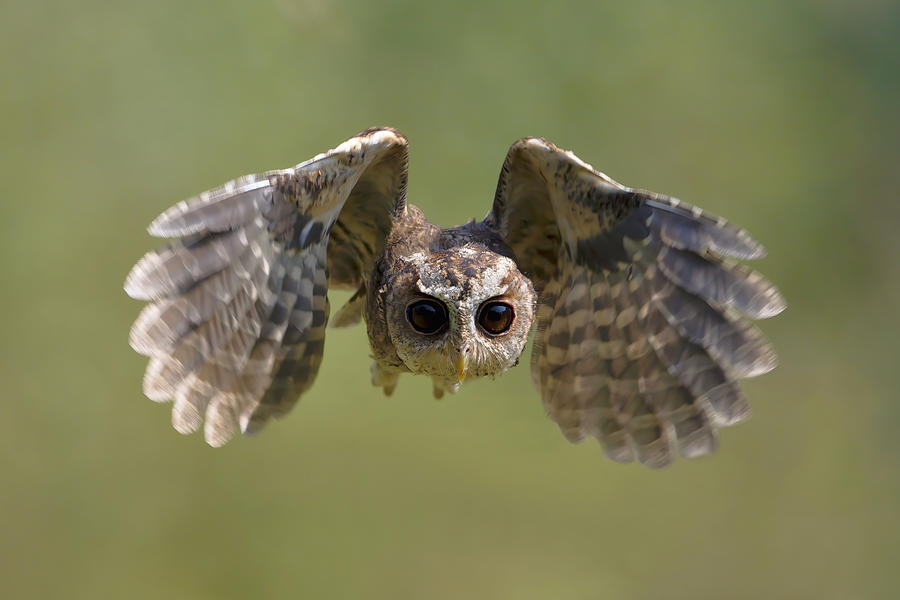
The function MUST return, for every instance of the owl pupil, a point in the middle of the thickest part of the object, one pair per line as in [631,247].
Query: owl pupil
[496,317]
[426,316]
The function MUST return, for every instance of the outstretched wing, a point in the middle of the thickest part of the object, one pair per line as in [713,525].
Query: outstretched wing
[236,323]
[641,331]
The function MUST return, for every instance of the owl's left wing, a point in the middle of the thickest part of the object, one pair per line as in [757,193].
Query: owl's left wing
[236,322]
[640,331]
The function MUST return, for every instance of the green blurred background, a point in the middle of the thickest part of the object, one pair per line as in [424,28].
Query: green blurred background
[781,116]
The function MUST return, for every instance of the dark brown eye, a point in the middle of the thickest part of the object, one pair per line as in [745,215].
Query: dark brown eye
[426,316]
[496,317]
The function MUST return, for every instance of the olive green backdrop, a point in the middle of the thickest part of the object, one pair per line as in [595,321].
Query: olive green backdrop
[781,116]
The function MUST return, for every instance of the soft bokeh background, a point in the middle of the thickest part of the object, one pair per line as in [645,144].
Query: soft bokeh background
[780,115]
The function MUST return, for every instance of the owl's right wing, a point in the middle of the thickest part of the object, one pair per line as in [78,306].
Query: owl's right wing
[236,322]
[641,333]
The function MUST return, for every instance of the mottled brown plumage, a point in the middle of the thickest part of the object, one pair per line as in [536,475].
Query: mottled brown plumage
[637,303]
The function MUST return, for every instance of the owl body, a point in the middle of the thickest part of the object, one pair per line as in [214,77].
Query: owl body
[639,306]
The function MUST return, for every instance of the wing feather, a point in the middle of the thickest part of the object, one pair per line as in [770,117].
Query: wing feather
[166,321]
[684,226]
[721,282]
[177,266]
[221,209]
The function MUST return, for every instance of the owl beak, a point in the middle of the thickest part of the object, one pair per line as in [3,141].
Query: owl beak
[462,363]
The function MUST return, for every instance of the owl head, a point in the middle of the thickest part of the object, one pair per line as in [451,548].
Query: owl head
[457,313]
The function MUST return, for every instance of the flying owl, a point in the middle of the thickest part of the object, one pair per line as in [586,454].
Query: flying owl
[639,308]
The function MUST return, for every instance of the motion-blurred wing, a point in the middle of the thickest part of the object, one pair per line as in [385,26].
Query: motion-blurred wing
[640,337]
[238,305]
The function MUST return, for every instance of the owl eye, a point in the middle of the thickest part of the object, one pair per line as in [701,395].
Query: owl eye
[426,316]
[496,317]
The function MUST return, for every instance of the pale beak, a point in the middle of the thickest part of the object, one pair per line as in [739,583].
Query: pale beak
[462,363]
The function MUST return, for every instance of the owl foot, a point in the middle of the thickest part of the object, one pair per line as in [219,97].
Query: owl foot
[442,384]
[383,378]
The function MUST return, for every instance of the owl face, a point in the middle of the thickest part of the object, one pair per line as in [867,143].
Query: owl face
[459,313]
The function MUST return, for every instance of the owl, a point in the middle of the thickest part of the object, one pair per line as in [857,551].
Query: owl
[639,308]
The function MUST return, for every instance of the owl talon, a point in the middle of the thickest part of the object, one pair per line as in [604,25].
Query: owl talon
[442,385]
[386,380]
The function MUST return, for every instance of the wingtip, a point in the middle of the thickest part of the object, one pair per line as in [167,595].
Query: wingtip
[215,434]
[158,226]
[164,226]
[186,419]
[775,306]
[216,441]
[138,284]
[138,341]
[761,365]
[254,421]
[154,384]
[757,250]
[133,287]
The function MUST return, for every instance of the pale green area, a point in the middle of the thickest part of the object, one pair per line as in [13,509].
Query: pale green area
[781,116]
